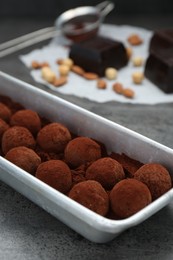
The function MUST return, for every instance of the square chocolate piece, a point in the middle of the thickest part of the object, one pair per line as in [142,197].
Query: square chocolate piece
[159,65]
[161,40]
[99,53]
[159,70]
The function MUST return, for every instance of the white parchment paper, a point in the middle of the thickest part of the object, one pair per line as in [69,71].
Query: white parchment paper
[145,93]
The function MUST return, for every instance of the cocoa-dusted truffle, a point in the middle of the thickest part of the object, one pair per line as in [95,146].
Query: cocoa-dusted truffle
[156,177]
[106,171]
[27,118]
[5,112]
[24,158]
[53,137]
[3,127]
[11,104]
[55,173]
[128,197]
[17,136]
[81,150]
[129,164]
[91,195]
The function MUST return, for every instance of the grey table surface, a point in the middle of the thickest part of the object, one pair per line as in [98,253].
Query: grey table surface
[28,232]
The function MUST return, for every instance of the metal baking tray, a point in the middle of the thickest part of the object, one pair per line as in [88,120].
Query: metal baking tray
[82,122]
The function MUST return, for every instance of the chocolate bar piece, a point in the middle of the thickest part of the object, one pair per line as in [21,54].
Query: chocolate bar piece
[99,53]
[159,65]
[159,70]
[161,40]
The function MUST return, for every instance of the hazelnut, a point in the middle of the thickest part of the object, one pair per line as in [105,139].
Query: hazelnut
[137,77]
[59,61]
[44,64]
[128,92]
[137,61]
[68,62]
[101,84]
[35,65]
[129,52]
[38,65]
[63,70]
[118,88]
[135,39]
[58,82]
[90,75]
[111,73]
[78,70]
[48,74]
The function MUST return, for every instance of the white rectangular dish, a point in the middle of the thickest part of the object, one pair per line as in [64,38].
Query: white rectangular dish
[82,122]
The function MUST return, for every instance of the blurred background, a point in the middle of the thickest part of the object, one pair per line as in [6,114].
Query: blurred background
[52,8]
[22,16]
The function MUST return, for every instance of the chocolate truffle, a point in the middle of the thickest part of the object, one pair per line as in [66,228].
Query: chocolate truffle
[17,136]
[5,112]
[24,158]
[28,119]
[81,150]
[53,137]
[3,127]
[91,195]
[99,53]
[156,177]
[128,197]
[106,171]
[11,104]
[129,164]
[56,174]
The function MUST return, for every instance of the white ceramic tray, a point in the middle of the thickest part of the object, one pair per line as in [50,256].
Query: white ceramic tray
[82,122]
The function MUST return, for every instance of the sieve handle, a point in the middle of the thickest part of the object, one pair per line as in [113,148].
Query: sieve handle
[105,7]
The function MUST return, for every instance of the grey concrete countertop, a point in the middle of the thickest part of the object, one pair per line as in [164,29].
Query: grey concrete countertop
[28,232]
